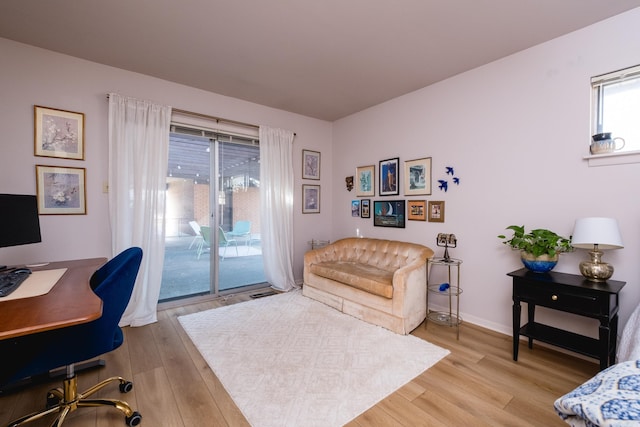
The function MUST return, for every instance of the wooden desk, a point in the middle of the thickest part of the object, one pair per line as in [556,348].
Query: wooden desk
[70,302]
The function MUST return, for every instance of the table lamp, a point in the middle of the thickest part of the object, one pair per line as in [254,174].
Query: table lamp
[596,234]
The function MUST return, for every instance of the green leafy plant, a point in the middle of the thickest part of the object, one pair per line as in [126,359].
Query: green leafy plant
[537,242]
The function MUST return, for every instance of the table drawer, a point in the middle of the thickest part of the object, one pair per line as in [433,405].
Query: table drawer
[562,300]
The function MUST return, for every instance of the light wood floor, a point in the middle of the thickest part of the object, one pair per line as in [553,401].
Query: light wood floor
[478,384]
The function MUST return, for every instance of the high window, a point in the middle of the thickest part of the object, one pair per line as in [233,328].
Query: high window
[616,106]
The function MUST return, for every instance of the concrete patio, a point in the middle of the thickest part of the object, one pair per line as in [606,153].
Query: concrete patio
[185,275]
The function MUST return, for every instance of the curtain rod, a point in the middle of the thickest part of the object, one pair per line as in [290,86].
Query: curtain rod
[217,119]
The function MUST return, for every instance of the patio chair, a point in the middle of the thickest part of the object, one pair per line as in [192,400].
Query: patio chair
[225,241]
[198,235]
[241,229]
[205,232]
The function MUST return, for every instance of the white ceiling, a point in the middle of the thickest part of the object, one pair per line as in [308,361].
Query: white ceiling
[320,58]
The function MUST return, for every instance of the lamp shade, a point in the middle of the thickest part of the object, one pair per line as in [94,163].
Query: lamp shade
[603,232]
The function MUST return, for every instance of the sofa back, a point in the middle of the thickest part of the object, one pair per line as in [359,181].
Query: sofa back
[385,254]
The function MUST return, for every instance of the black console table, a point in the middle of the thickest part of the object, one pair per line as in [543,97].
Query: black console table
[572,294]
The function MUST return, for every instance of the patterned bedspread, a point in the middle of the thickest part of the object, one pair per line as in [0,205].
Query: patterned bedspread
[611,398]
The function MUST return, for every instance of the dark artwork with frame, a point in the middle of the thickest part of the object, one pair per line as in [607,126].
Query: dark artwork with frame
[365,208]
[389,177]
[389,213]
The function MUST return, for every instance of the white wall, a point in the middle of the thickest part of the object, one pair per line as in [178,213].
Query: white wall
[516,131]
[30,76]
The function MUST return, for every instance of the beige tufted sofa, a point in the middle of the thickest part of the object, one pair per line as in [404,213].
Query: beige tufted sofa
[379,281]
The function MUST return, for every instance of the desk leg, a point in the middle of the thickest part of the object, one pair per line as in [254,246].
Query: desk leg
[516,327]
[605,337]
[531,314]
[614,338]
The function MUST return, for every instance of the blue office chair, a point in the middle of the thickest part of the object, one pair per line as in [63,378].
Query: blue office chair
[43,352]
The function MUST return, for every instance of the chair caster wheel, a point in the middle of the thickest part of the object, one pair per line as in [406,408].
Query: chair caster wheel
[53,398]
[134,419]
[52,401]
[126,387]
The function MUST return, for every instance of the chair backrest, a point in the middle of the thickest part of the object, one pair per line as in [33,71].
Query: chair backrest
[195,227]
[206,234]
[241,227]
[113,283]
[221,236]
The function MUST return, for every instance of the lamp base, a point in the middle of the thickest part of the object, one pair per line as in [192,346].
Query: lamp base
[596,270]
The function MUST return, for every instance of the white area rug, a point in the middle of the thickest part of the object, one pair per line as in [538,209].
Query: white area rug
[287,360]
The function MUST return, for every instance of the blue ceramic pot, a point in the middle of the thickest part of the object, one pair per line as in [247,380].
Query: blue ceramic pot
[541,264]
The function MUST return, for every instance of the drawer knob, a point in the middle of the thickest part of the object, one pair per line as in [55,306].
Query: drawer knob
[554,297]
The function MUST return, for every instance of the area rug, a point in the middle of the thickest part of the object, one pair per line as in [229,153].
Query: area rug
[287,360]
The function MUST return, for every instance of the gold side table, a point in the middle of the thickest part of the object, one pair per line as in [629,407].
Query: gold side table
[451,292]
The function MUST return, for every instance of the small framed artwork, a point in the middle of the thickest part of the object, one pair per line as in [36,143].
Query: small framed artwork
[61,190]
[417,177]
[388,213]
[58,133]
[436,211]
[365,181]
[417,210]
[355,208]
[389,177]
[310,164]
[365,208]
[310,199]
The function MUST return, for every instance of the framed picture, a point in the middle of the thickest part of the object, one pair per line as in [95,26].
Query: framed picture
[417,177]
[365,208]
[61,190]
[310,198]
[417,210]
[310,164]
[389,174]
[365,181]
[355,208]
[58,133]
[388,213]
[436,211]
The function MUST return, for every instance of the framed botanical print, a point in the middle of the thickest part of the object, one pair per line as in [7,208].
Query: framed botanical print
[365,181]
[436,211]
[416,210]
[389,177]
[58,133]
[310,199]
[417,177]
[61,190]
[310,164]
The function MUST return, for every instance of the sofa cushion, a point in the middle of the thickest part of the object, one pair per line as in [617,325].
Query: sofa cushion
[361,276]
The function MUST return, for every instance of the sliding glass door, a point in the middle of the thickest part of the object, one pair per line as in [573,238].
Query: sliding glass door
[213,243]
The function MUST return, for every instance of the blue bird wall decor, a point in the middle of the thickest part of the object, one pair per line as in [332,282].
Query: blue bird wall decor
[450,170]
[444,185]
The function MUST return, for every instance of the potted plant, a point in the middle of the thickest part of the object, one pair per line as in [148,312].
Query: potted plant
[539,248]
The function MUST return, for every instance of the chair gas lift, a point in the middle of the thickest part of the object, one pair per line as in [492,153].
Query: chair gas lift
[450,290]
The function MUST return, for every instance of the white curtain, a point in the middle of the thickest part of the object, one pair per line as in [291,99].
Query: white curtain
[138,158]
[276,206]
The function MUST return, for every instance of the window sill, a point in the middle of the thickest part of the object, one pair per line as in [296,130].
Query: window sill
[613,158]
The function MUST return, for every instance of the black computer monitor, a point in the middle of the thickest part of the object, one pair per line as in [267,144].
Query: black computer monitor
[19,220]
